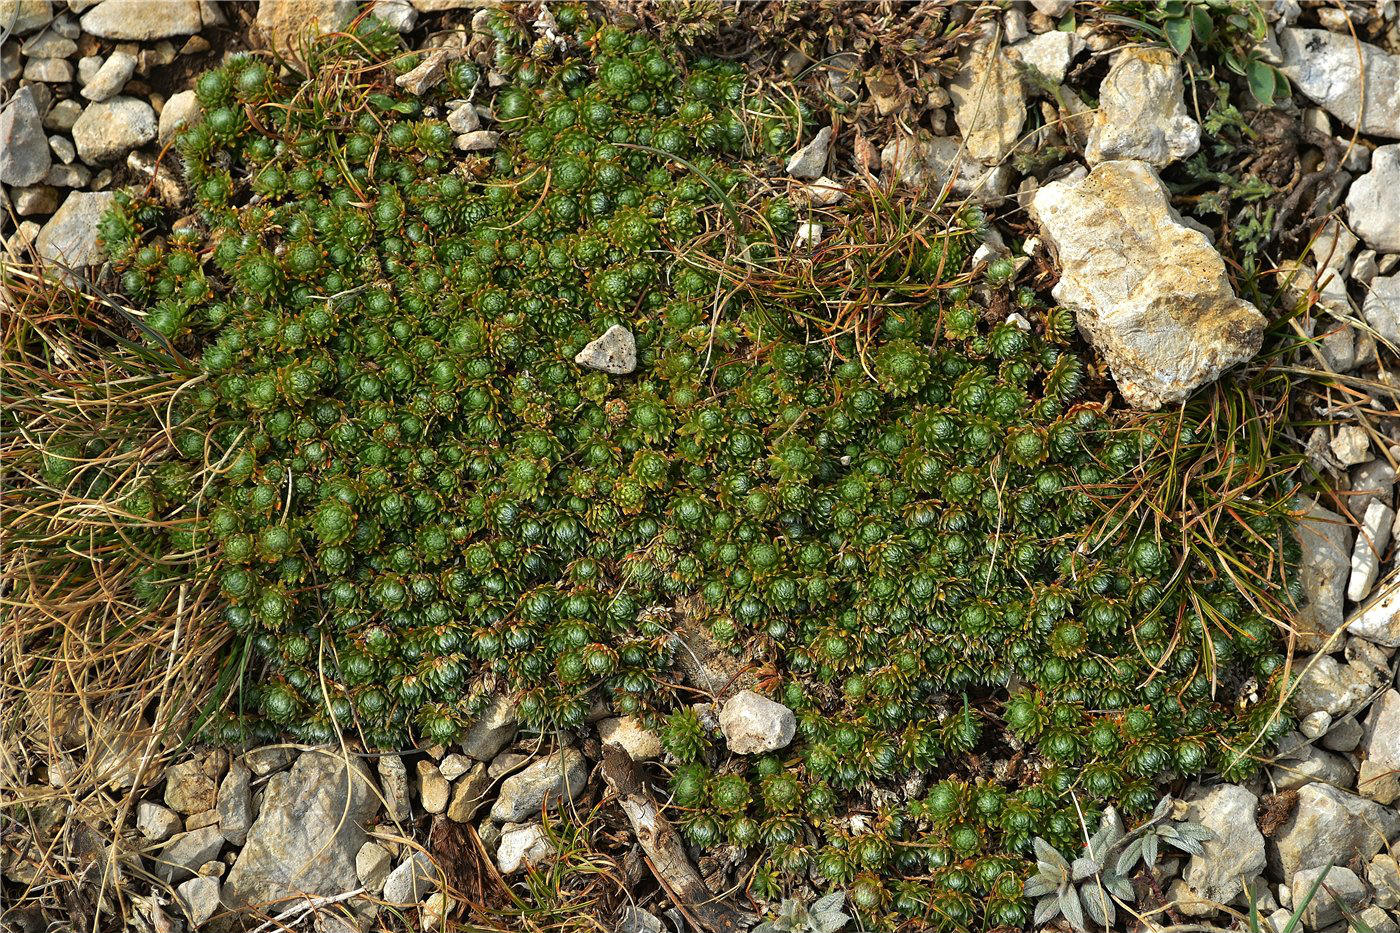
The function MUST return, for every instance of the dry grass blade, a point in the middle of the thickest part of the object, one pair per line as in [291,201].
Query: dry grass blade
[108,665]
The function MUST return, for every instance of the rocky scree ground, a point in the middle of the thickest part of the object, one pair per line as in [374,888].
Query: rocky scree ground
[226,831]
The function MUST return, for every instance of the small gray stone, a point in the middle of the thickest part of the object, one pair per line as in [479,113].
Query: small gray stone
[182,855]
[109,129]
[615,352]
[989,103]
[1376,920]
[1351,445]
[810,160]
[1371,544]
[65,25]
[1327,822]
[142,20]
[561,775]
[433,788]
[628,733]
[155,822]
[1373,481]
[200,897]
[49,44]
[505,763]
[1344,736]
[24,152]
[492,731]
[399,14]
[372,867]
[1382,307]
[34,199]
[62,147]
[522,847]
[922,159]
[753,724]
[192,786]
[1049,53]
[454,766]
[1317,766]
[477,140]
[1379,778]
[263,761]
[1333,247]
[1325,539]
[22,17]
[1340,889]
[1235,856]
[411,881]
[1325,683]
[427,75]
[235,803]
[111,77]
[179,110]
[88,67]
[1384,876]
[1364,268]
[464,119]
[1142,112]
[48,70]
[393,782]
[1333,70]
[62,115]
[469,793]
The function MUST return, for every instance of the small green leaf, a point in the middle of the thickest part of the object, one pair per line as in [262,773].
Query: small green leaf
[1261,82]
[1178,34]
[1201,24]
[1232,61]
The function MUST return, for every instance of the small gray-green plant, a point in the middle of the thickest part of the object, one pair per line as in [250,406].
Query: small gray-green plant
[824,915]
[1086,888]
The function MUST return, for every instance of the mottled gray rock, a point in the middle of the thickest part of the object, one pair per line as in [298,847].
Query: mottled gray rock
[1325,539]
[1351,445]
[282,23]
[142,20]
[111,77]
[477,140]
[62,115]
[111,128]
[412,880]
[1316,765]
[1341,889]
[155,822]
[931,160]
[24,152]
[469,794]
[393,783]
[1370,545]
[989,103]
[523,847]
[308,832]
[454,766]
[200,898]
[492,731]
[464,119]
[1328,684]
[1373,481]
[1372,200]
[1326,68]
[1376,920]
[1382,307]
[561,775]
[88,66]
[22,17]
[49,44]
[1383,873]
[183,854]
[427,75]
[372,867]
[1049,53]
[433,788]
[263,761]
[1379,777]
[1236,855]
[48,70]
[192,786]
[63,150]
[810,160]
[615,352]
[1344,736]
[753,724]
[1326,822]
[1333,246]
[235,803]
[628,733]
[34,199]
[1151,292]
[1141,112]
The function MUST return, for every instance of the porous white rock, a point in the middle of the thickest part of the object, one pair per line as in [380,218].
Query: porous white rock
[753,724]
[282,23]
[1373,201]
[1049,53]
[1141,112]
[522,847]
[372,867]
[1351,445]
[433,788]
[933,160]
[1151,293]
[628,733]
[989,102]
[155,822]
[1332,70]
[614,352]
